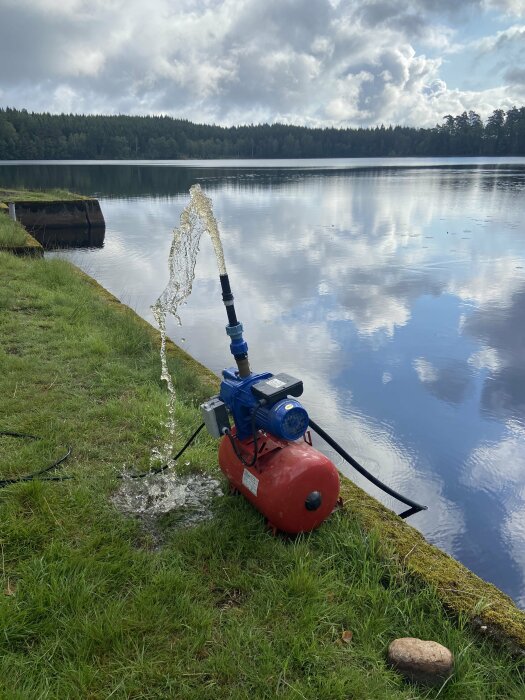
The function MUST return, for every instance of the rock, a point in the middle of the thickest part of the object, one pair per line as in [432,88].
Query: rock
[421,662]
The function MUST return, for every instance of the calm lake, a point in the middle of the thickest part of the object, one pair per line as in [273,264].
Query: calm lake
[395,288]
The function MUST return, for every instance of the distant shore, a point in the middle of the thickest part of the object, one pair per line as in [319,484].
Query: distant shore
[101,136]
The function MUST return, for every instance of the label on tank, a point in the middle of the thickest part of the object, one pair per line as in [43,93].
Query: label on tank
[250,481]
[276,383]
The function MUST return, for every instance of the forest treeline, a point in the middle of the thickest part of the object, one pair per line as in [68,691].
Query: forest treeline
[29,136]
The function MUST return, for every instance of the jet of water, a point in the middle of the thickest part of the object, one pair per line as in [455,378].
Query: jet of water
[196,218]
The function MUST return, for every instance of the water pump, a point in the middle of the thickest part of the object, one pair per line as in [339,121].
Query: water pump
[266,455]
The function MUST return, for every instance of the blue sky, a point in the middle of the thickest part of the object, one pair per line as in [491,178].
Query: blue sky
[312,62]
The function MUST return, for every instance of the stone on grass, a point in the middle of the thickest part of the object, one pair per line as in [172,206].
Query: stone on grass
[421,662]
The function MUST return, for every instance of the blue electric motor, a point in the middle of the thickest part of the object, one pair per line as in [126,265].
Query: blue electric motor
[261,401]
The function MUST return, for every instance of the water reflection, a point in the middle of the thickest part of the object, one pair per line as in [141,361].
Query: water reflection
[496,471]
[501,329]
[77,237]
[449,383]
[396,294]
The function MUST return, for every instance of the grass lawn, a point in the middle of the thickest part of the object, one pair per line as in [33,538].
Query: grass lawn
[90,608]
[12,234]
[54,195]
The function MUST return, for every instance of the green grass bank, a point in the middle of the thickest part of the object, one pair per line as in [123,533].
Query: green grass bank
[53,195]
[43,213]
[14,237]
[90,607]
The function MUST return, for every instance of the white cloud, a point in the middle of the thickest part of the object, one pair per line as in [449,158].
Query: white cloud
[494,283]
[509,7]
[302,61]
[498,466]
[486,358]
[425,371]
[500,469]
[513,37]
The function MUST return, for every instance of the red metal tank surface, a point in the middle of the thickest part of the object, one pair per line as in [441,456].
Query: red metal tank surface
[294,485]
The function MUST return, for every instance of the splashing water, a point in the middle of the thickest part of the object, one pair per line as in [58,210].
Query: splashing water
[188,499]
[195,219]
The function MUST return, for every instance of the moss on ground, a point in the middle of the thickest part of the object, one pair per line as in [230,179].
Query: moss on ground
[91,609]
[461,591]
[54,195]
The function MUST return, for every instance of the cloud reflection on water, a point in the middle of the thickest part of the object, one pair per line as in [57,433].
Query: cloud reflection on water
[398,297]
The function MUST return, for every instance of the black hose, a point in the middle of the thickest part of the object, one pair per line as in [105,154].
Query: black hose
[240,358]
[414,507]
[227,298]
[34,475]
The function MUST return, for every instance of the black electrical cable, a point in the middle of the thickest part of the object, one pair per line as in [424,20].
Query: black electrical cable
[414,507]
[238,454]
[9,433]
[34,475]
[158,470]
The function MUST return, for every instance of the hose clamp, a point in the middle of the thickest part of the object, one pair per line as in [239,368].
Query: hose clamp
[234,331]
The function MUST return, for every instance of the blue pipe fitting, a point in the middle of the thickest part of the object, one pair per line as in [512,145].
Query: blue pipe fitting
[238,345]
[234,331]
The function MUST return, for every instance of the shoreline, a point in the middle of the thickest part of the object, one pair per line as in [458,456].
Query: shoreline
[328,163]
[459,588]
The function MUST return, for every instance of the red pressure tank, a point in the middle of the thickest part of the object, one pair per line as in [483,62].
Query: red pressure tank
[292,484]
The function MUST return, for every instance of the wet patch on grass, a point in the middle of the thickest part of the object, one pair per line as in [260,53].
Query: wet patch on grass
[167,501]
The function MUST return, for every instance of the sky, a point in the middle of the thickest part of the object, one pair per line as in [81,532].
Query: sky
[343,63]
